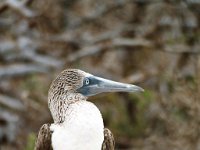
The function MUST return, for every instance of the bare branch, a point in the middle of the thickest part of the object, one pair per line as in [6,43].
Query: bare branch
[115,43]
[131,42]
[180,48]
[7,46]
[19,6]
[102,10]
[9,51]
[11,122]
[20,70]
[109,35]
[12,103]
[44,60]
[86,51]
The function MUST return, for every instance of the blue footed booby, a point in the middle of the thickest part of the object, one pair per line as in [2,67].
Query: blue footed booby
[78,123]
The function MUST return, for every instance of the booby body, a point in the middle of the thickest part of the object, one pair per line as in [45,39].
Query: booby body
[78,124]
[83,129]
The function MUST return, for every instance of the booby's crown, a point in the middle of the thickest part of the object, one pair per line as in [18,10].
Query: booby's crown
[68,81]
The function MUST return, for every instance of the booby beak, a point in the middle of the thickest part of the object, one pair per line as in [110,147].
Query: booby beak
[93,85]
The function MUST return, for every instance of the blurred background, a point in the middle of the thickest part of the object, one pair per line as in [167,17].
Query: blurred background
[151,43]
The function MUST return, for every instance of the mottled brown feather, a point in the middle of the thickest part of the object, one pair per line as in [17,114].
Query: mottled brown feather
[109,142]
[62,93]
[43,141]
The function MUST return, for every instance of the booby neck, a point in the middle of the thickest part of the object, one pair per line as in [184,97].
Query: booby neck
[62,93]
[60,106]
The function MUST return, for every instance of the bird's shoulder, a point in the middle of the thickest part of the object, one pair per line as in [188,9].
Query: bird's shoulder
[109,142]
[43,141]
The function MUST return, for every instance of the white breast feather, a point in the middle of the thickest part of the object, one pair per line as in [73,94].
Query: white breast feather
[82,129]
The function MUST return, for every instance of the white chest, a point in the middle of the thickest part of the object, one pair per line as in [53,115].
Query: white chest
[82,129]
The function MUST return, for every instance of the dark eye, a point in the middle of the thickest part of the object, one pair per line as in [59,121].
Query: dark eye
[87,81]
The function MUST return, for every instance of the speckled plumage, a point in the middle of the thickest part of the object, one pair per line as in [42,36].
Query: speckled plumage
[62,93]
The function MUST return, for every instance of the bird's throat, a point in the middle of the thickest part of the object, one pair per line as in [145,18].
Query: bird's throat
[59,106]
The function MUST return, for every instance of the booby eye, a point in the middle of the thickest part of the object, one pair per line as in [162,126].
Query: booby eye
[87,81]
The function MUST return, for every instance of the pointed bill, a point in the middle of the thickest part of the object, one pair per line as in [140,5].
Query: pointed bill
[96,85]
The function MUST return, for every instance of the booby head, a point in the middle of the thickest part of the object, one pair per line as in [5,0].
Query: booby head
[73,85]
[78,81]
